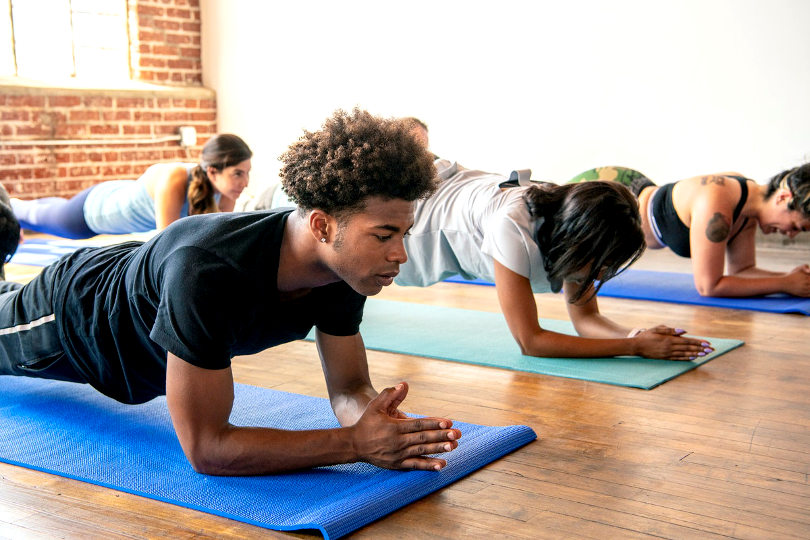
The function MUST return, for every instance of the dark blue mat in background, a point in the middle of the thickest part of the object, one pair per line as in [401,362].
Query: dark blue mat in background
[679,288]
[73,431]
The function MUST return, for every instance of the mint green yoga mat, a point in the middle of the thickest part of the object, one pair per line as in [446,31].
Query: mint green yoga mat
[479,337]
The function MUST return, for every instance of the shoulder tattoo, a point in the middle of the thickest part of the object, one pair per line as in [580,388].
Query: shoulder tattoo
[706,180]
[718,228]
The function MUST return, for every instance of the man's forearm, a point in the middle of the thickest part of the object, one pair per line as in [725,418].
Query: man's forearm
[381,436]
[245,451]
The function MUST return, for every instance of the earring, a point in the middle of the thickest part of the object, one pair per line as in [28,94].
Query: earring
[323,240]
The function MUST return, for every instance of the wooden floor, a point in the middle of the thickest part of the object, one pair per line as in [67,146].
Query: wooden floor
[720,452]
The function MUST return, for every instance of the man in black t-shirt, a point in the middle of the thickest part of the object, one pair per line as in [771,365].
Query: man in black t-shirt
[139,320]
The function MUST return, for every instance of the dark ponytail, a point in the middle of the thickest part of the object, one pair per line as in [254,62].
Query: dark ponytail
[797,180]
[221,151]
[596,223]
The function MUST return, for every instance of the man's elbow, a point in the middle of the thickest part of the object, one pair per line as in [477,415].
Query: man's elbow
[207,461]
[204,465]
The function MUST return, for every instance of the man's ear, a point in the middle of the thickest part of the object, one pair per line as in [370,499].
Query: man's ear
[321,225]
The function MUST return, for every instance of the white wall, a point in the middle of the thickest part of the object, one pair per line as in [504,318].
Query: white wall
[672,88]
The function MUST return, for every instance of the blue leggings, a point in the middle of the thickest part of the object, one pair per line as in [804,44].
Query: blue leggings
[55,215]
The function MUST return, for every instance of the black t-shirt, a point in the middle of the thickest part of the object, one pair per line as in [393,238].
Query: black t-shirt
[205,289]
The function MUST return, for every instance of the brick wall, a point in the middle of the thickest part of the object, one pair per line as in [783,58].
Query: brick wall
[166,35]
[33,171]
[166,44]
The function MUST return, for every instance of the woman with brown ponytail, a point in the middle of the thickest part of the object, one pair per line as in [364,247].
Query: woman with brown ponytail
[164,193]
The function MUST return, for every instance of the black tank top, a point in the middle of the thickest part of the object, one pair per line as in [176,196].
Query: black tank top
[673,232]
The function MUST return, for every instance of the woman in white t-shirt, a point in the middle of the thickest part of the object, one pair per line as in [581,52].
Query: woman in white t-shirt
[539,238]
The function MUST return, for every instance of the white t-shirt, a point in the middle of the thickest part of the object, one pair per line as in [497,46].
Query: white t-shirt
[467,224]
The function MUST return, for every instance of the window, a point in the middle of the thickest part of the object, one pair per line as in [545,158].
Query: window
[7,66]
[55,40]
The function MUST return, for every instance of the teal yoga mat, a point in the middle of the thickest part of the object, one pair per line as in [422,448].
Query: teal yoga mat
[71,430]
[478,337]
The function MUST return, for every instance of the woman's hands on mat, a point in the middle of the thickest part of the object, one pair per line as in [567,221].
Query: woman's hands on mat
[387,438]
[797,281]
[598,336]
[669,344]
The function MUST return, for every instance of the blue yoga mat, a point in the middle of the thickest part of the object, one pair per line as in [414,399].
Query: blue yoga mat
[679,288]
[73,431]
[478,337]
[42,252]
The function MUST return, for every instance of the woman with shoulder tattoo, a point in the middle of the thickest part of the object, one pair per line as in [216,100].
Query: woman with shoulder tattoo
[713,219]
